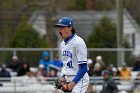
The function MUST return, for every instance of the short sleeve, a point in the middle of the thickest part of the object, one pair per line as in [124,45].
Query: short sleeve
[81,51]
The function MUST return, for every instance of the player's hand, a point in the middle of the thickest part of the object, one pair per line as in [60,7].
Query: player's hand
[68,87]
[65,88]
[71,85]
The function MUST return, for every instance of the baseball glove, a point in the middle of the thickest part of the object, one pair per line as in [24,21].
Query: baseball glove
[59,84]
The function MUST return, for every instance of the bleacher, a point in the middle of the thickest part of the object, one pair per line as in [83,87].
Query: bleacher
[25,84]
[46,85]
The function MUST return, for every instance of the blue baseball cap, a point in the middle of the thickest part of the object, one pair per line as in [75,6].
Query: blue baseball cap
[45,54]
[64,22]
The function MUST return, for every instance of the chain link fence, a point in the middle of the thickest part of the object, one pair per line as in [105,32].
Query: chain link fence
[33,55]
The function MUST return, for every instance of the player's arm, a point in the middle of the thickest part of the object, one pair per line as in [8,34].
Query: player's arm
[81,72]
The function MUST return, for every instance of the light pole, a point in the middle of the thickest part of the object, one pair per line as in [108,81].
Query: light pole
[120,40]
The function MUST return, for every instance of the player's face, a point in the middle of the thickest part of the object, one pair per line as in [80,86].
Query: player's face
[64,32]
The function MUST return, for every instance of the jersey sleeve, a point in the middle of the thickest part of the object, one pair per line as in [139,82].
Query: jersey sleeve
[81,51]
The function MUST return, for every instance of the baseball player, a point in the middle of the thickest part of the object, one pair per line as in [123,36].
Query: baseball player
[74,57]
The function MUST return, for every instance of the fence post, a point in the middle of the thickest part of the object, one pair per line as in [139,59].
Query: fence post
[14,52]
[15,85]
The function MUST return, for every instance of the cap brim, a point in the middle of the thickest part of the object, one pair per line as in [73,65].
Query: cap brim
[60,25]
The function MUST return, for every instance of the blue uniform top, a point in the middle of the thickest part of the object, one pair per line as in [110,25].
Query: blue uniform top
[57,63]
[43,61]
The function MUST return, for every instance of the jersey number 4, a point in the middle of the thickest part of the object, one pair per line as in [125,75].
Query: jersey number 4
[69,64]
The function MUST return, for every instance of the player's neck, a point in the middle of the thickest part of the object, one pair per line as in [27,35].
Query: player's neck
[68,38]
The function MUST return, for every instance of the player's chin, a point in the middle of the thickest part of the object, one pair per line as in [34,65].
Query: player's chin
[61,35]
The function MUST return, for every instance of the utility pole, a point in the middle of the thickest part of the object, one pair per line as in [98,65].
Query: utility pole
[120,40]
[50,21]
